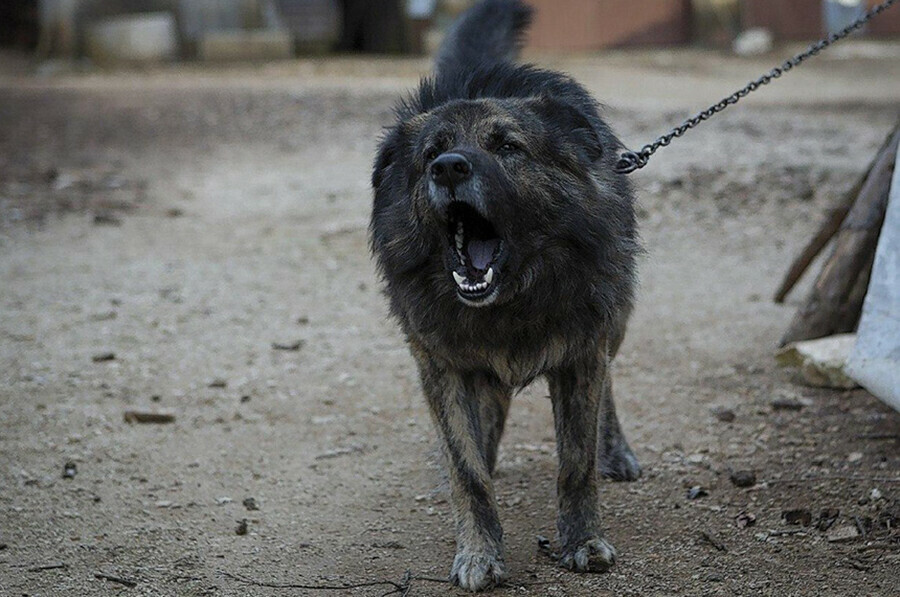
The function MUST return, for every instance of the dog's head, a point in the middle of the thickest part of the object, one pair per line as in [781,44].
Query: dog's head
[491,198]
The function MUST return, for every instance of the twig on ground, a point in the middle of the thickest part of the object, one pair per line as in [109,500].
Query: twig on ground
[401,587]
[61,566]
[834,478]
[122,581]
[706,536]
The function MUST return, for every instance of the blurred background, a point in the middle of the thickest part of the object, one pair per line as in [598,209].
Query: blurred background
[141,30]
[198,374]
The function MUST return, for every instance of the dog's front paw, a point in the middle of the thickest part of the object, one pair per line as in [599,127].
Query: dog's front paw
[620,464]
[594,555]
[477,572]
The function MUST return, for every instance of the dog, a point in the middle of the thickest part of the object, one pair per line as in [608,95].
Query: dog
[507,244]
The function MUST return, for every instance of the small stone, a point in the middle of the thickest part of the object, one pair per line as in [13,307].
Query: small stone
[70,470]
[245,399]
[744,520]
[743,478]
[250,504]
[875,494]
[696,492]
[854,457]
[800,516]
[723,414]
[843,534]
[223,500]
[218,382]
[102,357]
[241,527]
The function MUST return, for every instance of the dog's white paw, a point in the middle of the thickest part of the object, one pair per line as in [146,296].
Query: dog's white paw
[477,572]
[594,555]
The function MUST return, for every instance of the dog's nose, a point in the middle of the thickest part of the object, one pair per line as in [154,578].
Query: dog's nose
[450,169]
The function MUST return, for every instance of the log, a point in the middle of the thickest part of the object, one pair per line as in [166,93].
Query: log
[838,289]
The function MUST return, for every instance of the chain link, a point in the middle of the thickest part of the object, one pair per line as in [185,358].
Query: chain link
[630,161]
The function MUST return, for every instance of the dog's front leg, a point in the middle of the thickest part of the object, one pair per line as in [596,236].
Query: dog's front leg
[454,403]
[577,393]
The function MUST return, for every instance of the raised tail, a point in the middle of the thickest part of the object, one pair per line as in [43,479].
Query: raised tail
[488,33]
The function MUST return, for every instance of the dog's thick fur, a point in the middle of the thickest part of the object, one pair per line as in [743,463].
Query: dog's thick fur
[520,159]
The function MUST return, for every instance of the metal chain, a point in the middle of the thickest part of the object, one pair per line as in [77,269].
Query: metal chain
[630,161]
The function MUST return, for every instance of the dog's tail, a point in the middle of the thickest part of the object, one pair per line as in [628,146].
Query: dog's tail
[488,33]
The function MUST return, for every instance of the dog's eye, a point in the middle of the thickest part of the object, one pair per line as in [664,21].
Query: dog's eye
[431,154]
[508,148]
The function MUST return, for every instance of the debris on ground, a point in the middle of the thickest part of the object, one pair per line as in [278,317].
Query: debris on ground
[217,382]
[250,504]
[147,416]
[789,401]
[821,362]
[102,357]
[106,219]
[293,346]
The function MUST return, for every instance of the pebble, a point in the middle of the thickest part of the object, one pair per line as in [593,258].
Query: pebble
[723,414]
[70,470]
[843,534]
[241,527]
[855,457]
[800,516]
[696,492]
[102,357]
[743,478]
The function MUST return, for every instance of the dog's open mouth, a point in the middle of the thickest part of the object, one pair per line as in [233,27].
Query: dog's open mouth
[476,251]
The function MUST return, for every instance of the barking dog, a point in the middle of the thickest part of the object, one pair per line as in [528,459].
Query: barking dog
[507,244]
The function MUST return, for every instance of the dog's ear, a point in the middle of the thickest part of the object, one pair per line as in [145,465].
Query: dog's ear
[388,152]
[569,120]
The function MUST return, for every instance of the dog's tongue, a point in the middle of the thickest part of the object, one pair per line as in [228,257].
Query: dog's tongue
[481,252]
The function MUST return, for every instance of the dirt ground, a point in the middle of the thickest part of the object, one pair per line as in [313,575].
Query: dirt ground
[161,230]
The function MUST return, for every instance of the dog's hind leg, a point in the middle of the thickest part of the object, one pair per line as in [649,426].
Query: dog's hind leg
[458,417]
[577,394]
[615,459]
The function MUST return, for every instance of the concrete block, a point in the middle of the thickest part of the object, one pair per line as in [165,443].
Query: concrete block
[245,45]
[875,361]
[148,37]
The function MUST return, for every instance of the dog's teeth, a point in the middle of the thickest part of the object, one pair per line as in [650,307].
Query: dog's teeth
[459,242]
[460,281]
[489,276]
